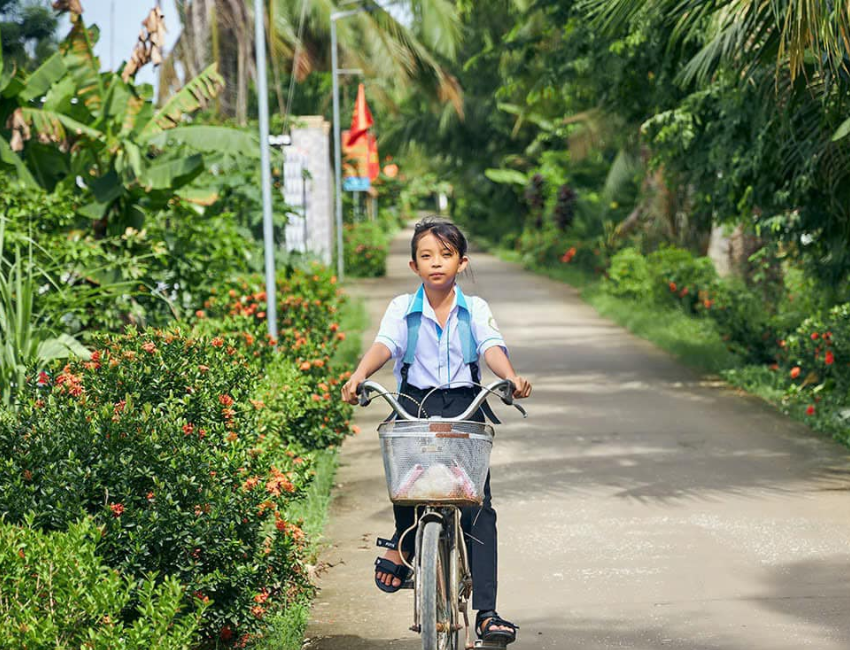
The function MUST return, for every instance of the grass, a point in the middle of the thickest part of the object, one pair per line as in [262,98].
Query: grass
[286,629]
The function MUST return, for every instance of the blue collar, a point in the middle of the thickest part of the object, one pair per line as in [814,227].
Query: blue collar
[418,302]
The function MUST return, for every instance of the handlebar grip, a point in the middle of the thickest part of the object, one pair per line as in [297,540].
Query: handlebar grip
[362,394]
[508,393]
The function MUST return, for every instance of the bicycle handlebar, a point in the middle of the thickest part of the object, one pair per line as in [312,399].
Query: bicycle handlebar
[503,389]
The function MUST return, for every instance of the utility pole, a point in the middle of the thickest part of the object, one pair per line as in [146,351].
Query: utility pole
[265,165]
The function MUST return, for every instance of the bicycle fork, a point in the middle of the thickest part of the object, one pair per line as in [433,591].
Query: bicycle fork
[459,577]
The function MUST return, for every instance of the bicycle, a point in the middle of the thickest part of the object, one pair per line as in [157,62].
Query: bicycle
[438,465]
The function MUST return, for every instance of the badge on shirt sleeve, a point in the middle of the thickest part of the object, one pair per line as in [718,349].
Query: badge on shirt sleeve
[492,324]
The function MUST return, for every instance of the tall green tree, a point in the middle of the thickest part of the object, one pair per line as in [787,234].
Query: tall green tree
[391,52]
[28,32]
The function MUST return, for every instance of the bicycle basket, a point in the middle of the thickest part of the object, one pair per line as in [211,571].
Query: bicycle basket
[436,462]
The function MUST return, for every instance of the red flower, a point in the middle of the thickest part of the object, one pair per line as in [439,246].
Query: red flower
[774,366]
[188,429]
[225,400]
[43,379]
[815,336]
[305,366]
[217,342]
[810,410]
[795,372]
[149,347]
[829,358]
[200,314]
[683,292]
[117,509]
[672,286]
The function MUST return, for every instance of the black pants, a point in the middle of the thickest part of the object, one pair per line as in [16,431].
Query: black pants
[478,523]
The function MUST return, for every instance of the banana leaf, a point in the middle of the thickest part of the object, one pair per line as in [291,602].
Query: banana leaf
[194,95]
[40,81]
[220,139]
[9,157]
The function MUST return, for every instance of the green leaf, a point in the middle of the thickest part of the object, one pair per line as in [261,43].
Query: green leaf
[39,82]
[173,173]
[93,210]
[11,158]
[106,188]
[842,132]
[5,75]
[504,176]
[61,347]
[188,99]
[220,139]
[83,65]
[56,125]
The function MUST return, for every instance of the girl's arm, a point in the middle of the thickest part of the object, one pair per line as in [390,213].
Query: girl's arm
[372,361]
[501,366]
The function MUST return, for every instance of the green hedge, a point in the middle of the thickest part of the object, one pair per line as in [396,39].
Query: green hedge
[186,446]
[56,592]
[365,250]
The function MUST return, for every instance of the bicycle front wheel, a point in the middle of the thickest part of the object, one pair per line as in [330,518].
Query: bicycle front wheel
[436,613]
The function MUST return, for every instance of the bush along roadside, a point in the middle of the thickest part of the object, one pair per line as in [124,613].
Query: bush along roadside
[365,249]
[774,341]
[186,448]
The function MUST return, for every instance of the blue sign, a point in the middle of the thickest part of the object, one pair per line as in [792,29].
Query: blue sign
[356,184]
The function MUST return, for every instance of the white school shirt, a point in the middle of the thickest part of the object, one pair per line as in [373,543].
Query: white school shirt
[439,354]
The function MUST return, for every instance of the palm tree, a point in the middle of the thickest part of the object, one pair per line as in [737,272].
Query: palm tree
[788,32]
[299,44]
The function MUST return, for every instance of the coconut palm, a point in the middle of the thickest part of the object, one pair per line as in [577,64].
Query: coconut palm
[396,54]
[789,32]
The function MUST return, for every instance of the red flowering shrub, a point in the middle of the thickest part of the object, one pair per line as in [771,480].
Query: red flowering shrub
[157,438]
[365,250]
[821,348]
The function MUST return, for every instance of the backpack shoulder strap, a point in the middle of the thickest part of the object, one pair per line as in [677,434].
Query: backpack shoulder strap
[467,339]
[414,321]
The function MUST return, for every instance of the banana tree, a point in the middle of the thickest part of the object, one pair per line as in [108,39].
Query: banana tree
[69,123]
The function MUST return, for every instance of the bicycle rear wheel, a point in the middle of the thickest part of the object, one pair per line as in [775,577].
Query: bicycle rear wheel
[436,611]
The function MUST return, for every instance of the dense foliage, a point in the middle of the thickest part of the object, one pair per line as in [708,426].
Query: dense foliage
[366,249]
[186,447]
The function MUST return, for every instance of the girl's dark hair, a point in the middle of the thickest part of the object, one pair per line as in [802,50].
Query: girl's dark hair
[448,234]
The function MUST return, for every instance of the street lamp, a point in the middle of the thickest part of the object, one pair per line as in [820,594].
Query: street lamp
[335,72]
[265,165]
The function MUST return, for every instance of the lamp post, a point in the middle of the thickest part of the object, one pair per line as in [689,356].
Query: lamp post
[265,166]
[335,72]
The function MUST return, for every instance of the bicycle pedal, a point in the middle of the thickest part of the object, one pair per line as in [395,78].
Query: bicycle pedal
[407,584]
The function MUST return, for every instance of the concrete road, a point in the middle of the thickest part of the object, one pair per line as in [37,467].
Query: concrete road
[640,505]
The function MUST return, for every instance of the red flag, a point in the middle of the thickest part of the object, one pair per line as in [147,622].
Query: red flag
[362,118]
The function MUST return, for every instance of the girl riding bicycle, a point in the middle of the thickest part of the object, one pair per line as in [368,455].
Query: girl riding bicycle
[424,333]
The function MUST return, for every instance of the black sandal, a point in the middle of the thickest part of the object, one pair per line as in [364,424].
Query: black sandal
[486,632]
[384,565]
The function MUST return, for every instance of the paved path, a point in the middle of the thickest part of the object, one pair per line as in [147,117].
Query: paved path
[639,505]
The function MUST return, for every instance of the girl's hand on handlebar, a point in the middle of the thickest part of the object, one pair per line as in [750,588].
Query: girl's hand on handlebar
[349,390]
[522,386]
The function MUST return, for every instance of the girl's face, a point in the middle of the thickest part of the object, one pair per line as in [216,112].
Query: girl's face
[436,263]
